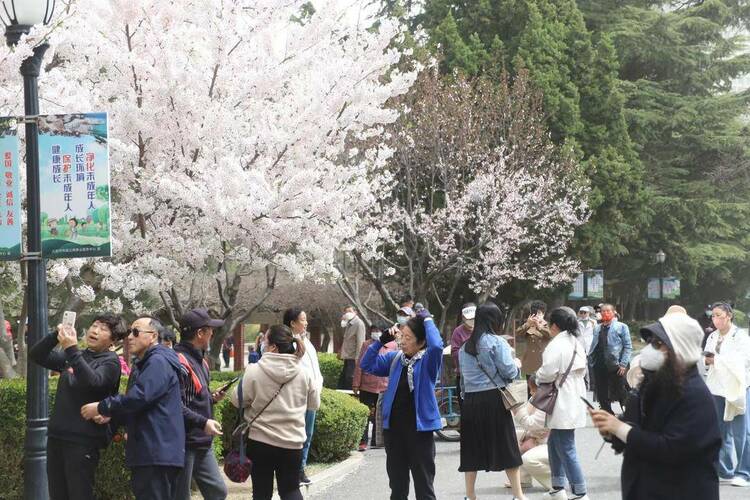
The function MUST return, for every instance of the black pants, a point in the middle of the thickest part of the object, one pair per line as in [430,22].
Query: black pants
[369,399]
[269,460]
[410,451]
[347,375]
[70,469]
[154,482]
[225,353]
[609,387]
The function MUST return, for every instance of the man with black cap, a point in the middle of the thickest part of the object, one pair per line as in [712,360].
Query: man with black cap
[196,329]
[670,431]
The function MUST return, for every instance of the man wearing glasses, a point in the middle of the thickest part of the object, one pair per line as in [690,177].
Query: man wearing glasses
[151,410]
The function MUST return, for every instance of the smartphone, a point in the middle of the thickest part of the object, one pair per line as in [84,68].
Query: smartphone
[69,319]
[588,403]
[228,385]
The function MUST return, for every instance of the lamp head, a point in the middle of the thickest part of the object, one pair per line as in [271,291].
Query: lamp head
[19,16]
[660,257]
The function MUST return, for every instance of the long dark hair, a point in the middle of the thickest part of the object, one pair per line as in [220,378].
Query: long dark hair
[566,320]
[282,337]
[488,319]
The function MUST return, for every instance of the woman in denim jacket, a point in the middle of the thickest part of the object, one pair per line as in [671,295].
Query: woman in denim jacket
[488,436]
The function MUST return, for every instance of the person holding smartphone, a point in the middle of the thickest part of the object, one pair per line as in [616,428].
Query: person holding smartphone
[87,375]
[196,329]
[535,332]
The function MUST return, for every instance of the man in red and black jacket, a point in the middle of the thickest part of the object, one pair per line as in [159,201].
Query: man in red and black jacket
[196,329]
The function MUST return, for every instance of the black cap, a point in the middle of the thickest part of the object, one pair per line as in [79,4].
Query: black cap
[656,329]
[199,318]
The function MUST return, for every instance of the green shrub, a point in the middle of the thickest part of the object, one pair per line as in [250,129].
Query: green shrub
[330,367]
[225,377]
[338,426]
[112,478]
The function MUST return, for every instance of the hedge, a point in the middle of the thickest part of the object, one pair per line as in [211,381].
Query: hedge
[112,478]
[217,376]
[330,367]
[338,426]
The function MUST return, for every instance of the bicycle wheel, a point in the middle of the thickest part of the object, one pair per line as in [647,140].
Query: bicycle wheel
[450,415]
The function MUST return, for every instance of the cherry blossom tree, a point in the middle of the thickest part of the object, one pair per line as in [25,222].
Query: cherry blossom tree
[475,194]
[228,124]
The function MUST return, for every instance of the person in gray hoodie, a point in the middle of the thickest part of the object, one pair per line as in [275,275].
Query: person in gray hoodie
[276,394]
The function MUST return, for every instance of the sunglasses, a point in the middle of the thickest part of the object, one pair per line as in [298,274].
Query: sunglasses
[135,331]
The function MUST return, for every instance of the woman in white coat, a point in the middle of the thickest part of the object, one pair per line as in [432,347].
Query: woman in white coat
[569,412]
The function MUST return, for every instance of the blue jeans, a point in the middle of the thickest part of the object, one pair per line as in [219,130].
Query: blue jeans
[735,435]
[563,461]
[309,429]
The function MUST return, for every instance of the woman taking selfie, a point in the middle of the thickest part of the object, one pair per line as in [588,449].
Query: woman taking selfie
[488,436]
[410,410]
[564,364]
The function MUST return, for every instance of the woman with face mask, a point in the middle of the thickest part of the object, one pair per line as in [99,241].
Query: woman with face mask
[669,432]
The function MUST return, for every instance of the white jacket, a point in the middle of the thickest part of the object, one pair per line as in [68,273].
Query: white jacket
[729,375]
[282,424]
[310,364]
[570,411]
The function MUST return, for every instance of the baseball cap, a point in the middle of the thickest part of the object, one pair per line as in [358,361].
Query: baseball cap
[469,312]
[199,318]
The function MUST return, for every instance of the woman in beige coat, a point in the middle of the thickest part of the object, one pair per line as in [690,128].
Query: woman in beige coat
[276,393]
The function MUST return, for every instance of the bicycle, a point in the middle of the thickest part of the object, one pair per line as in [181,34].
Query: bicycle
[450,413]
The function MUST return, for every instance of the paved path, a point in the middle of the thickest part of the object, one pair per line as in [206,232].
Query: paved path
[370,482]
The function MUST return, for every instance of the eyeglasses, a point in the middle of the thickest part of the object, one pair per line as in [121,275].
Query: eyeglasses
[135,331]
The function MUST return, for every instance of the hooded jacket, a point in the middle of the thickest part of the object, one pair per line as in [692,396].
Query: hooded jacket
[673,445]
[197,405]
[152,410]
[85,377]
[282,423]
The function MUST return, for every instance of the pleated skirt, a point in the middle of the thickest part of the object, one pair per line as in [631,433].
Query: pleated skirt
[488,435]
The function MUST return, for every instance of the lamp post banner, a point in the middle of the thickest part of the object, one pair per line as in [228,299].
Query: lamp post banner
[74,186]
[10,192]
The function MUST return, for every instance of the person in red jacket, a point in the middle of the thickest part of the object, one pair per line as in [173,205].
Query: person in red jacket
[368,386]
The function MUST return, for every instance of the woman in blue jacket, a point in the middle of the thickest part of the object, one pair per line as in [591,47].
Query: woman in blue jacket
[410,409]
[488,435]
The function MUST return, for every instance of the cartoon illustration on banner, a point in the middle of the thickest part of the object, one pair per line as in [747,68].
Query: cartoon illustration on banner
[74,172]
[10,192]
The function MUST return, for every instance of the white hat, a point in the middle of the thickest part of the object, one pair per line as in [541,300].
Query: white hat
[469,312]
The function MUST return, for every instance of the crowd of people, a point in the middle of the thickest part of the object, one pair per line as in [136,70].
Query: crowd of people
[683,424]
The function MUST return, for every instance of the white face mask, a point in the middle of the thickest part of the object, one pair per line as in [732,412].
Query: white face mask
[346,318]
[652,359]
[402,320]
[375,335]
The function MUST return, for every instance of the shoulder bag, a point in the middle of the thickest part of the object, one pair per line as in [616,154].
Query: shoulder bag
[237,465]
[509,400]
[546,393]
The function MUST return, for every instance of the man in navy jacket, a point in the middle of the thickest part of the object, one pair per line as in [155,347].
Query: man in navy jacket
[152,412]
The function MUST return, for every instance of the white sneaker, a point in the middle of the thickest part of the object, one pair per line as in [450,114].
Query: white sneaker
[556,495]
[584,497]
[740,482]
[725,480]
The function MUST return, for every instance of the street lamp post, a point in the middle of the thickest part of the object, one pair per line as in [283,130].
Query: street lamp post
[660,258]
[19,17]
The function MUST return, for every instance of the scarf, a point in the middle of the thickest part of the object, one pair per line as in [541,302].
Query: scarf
[409,364]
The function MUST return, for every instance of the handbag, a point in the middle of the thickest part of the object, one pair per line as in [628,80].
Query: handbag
[237,465]
[509,400]
[545,396]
